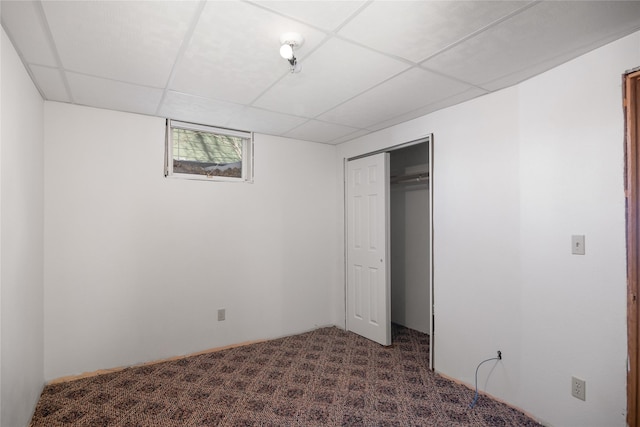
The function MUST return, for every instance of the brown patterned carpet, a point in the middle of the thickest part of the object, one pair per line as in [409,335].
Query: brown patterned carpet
[327,377]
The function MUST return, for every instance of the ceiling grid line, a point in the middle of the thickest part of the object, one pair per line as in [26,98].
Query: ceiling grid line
[108,79]
[364,92]
[21,56]
[183,47]
[284,15]
[352,17]
[557,60]
[481,30]
[288,73]
[52,45]
[329,36]
[455,79]
[421,109]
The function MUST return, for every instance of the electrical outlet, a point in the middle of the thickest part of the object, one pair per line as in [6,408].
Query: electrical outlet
[578,388]
[221,314]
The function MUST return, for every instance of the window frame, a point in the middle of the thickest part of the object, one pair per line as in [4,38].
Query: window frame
[247,151]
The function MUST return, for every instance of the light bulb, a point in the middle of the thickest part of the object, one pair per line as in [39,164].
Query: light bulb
[286,51]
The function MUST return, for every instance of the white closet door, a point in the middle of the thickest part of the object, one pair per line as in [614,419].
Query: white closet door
[368,261]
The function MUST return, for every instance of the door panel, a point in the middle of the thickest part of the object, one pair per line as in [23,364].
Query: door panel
[368,272]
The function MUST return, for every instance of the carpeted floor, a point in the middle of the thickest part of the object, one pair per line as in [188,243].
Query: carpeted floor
[326,377]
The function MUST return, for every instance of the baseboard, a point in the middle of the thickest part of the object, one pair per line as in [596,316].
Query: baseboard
[489,395]
[153,362]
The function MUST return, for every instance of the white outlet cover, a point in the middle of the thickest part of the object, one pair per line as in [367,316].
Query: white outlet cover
[578,388]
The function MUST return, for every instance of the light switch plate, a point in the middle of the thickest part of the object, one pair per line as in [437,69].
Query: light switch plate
[577,244]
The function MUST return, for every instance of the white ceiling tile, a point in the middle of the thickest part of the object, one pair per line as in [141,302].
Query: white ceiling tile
[50,82]
[200,110]
[263,121]
[414,30]
[225,62]
[438,105]
[327,15]
[131,41]
[317,131]
[113,95]
[406,92]
[351,136]
[234,52]
[23,23]
[337,71]
[545,31]
[526,73]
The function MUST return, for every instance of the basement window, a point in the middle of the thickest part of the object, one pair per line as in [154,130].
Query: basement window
[208,153]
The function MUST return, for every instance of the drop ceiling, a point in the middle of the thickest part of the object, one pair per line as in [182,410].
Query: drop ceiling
[366,65]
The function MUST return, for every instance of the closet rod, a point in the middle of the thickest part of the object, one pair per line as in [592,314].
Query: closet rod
[410,178]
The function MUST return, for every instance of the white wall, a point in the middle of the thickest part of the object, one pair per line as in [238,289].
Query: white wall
[517,173]
[136,265]
[21,239]
[571,181]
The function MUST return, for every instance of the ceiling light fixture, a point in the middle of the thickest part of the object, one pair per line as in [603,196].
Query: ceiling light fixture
[288,42]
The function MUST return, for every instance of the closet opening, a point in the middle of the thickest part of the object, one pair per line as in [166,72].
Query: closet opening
[389,241]
[410,237]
